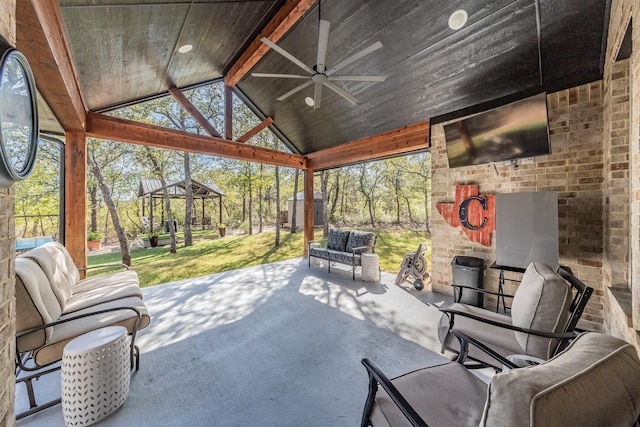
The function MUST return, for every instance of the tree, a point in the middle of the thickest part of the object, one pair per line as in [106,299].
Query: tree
[158,171]
[295,203]
[324,179]
[113,211]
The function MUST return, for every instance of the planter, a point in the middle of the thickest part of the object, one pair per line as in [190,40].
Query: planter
[94,245]
[222,231]
[153,241]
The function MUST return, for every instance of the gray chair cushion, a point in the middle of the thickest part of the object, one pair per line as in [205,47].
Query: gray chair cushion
[337,239]
[542,303]
[443,395]
[361,238]
[594,382]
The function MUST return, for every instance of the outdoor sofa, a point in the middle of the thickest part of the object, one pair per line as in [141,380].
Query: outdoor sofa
[53,306]
[343,247]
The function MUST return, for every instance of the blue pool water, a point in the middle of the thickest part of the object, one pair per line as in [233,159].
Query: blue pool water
[25,243]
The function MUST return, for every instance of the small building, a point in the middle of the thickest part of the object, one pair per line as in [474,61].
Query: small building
[317,210]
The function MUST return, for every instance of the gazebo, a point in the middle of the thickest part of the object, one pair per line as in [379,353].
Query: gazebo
[153,190]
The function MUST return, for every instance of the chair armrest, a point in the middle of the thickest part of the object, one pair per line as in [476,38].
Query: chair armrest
[353,250]
[556,335]
[377,377]
[483,291]
[125,266]
[465,340]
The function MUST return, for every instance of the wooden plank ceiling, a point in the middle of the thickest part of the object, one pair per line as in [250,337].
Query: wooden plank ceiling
[124,51]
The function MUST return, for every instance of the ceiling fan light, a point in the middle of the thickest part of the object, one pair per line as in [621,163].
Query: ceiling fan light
[458,19]
[309,101]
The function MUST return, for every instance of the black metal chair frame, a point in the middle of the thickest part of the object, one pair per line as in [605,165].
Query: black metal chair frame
[581,297]
[23,359]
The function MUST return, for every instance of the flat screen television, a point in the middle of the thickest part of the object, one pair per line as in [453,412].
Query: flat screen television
[516,130]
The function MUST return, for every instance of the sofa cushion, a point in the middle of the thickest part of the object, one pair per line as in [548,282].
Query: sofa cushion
[542,303]
[55,261]
[36,304]
[360,238]
[337,239]
[594,382]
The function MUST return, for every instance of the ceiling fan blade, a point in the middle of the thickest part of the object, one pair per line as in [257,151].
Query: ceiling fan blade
[358,78]
[343,93]
[294,90]
[284,76]
[317,96]
[286,54]
[364,52]
[323,42]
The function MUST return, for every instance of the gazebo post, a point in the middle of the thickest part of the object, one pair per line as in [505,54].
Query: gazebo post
[151,212]
[220,216]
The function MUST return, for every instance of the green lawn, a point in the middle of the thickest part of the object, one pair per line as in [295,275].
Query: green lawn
[157,265]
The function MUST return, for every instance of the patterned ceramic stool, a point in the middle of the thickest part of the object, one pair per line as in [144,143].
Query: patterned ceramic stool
[96,370]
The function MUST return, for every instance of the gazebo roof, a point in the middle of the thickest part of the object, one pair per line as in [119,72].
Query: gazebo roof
[176,190]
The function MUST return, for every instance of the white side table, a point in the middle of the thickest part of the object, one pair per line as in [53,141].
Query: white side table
[370,267]
[96,370]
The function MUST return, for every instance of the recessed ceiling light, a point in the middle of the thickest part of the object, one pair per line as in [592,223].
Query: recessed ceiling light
[185,48]
[458,19]
[309,101]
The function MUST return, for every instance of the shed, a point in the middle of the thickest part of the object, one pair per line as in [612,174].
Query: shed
[153,190]
[317,209]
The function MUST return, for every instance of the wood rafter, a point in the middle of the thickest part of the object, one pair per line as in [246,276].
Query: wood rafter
[107,127]
[42,37]
[399,141]
[256,130]
[193,111]
[286,18]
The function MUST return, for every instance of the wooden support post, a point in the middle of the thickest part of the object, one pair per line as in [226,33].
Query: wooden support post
[228,113]
[308,209]
[75,206]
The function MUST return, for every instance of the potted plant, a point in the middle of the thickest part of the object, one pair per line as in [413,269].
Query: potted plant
[153,238]
[94,241]
[222,229]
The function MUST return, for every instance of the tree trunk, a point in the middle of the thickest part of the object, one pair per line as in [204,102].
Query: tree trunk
[426,212]
[165,195]
[188,202]
[260,207]
[324,180]
[250,205]
[93,197]
[334,203]
[115,216]
[295,203]
[277,242]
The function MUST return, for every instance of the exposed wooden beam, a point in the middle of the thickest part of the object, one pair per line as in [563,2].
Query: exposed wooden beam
[286,18]
[75,197]
[309,209]
[114,128]
[256,130]
[193,111]
[42,37]
[399,141]
[228,112]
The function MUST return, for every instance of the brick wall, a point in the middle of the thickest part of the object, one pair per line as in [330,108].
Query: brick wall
[615,269]
[574,170]
[7,307]
[7,255]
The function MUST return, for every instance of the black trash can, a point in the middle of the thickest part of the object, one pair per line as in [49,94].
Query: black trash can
[468,271]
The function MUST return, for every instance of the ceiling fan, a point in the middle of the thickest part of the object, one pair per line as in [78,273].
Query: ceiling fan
[320,74]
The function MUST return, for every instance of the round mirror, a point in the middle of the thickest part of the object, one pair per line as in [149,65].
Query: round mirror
[18,118]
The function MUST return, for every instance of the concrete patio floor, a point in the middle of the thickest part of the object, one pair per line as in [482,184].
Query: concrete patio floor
[274,345]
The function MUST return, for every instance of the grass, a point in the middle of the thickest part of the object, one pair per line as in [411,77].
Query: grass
[157,265]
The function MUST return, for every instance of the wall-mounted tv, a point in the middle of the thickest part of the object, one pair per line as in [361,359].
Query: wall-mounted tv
[516,130]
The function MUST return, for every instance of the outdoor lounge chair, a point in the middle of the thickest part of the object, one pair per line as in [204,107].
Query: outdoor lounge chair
[545,310]
[595,382]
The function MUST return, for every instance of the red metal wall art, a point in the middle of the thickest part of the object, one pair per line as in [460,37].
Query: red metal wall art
[473,213]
